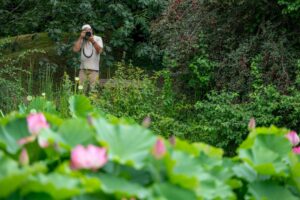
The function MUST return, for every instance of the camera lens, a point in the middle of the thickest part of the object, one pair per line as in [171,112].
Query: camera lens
[88,34]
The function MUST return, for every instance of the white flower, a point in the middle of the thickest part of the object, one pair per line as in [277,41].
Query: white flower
[29,98]
[80,87]
[76,79]
[43,94]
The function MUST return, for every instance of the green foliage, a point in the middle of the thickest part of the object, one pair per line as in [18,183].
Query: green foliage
[75,131]
[264,168]
[222,121]
[12,176]
[39,104]
[236,34]
[291,6]
[202,69]
[129,146]
[123,24]
[13,131]
[66,90]
[79,106]
[135,94]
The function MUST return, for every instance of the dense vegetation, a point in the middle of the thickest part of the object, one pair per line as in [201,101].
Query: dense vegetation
[196,69]
[96,156]
[183,76]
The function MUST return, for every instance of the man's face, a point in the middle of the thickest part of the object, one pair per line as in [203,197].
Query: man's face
[88,30]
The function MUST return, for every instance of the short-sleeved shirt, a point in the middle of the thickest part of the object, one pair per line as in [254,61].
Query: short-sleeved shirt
[90,59]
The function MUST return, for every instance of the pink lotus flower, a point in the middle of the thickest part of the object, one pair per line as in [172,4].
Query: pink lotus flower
[24,158]
[92,157]
[296,150]
[159,149]
[36,122]
[293,138]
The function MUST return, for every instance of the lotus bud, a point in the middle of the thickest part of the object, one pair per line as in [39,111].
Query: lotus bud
[24,158]
[252,124]
[293,138]
[146,122]
[159,149]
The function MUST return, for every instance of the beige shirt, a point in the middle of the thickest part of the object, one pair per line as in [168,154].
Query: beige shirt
[89,57]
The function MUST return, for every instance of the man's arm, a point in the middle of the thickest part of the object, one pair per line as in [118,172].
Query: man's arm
[78,43]
[96,45]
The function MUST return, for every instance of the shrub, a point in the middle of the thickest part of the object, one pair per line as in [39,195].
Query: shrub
[222,121]
[135,94]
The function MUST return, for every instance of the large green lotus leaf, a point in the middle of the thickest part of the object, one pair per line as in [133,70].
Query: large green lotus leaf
[268,190]
[166,191]
[127,144]
[13,131]
[121,187]
[207,176]
[37,196]
[80,106]
[248,143]
[267,155]
[94,196]
[52,137]
[89,183]
[295,172]
[12,176]
[245,171]
[57,185]
[76,131]
[54,120]
[196,148]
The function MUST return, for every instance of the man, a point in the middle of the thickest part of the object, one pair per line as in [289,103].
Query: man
[91,46]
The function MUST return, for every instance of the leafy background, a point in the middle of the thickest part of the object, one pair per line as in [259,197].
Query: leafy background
[197,69]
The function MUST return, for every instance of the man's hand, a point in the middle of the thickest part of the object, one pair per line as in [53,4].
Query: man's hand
[91,39]
[77,44]
[82,34]
[95,44]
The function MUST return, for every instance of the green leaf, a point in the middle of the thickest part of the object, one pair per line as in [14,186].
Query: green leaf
[262,131]
[122,187]
[267,154]
[207,176]
[75,132]
[12,176]
[268,190]
[54,120]
[12,132]
[172,192]
[37,196]
[196,148]
[127,144]
[94,196]
[40,104]
[57,185]
[295,172]
[80,106]
[245,171]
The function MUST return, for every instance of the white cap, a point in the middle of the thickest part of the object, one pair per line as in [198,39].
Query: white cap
[86,26]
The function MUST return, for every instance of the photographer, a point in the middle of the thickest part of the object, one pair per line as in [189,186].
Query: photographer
[91,46]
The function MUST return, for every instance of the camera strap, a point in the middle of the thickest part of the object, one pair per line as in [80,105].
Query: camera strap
[84,51]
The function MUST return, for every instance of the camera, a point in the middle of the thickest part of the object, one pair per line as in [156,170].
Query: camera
[88,35]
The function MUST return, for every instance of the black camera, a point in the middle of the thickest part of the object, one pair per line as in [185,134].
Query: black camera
[88,35]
